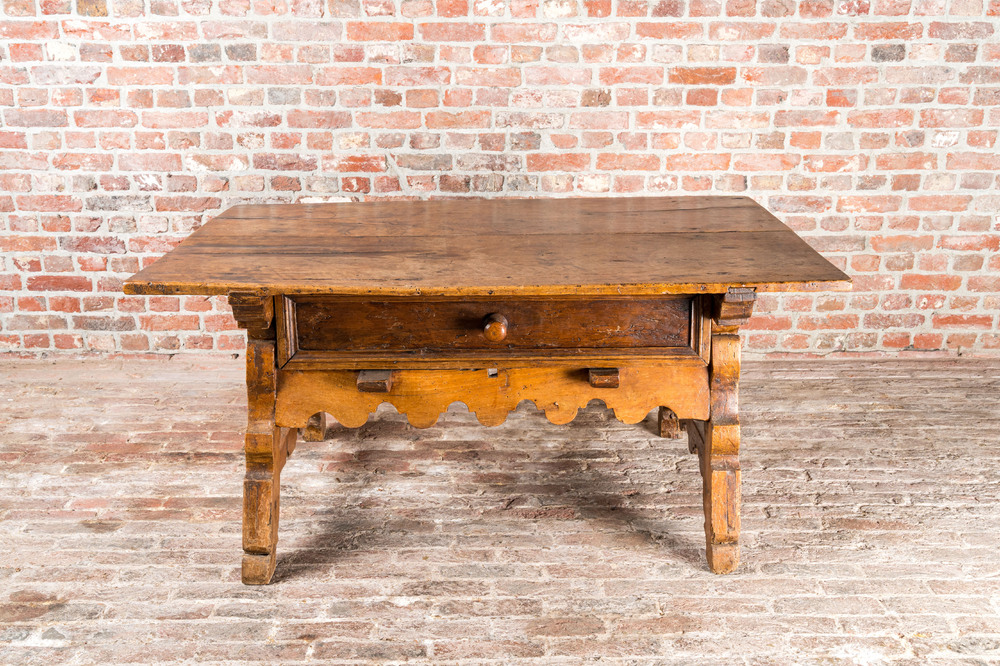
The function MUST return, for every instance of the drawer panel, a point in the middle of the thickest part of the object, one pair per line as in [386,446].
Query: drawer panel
[330,323]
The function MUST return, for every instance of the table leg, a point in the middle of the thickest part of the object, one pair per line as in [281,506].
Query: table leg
[267,448]
[718,439]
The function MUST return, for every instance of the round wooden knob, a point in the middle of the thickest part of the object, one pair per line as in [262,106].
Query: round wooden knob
[495,327]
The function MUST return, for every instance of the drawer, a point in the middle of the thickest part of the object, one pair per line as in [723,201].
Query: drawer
[424,326]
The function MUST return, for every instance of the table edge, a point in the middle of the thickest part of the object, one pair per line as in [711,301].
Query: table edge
[144,288]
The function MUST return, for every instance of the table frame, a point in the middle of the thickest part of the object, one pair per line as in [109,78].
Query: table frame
[271,435]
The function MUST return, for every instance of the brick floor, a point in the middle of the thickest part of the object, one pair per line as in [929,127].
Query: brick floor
[871,527]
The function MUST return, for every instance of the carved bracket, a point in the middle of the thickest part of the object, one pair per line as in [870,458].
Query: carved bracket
[255,313]
[734,308]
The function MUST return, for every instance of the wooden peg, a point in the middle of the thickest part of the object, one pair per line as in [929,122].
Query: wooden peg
[375,381]
[669,426]
[603,377]
[315,430]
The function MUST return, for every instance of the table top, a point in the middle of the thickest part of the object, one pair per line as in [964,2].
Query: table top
[583,246]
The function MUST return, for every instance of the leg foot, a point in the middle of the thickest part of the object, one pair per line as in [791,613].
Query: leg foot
[315,430]
[258,569]
[261,506]
[720,473]
[723,558]
[669,426]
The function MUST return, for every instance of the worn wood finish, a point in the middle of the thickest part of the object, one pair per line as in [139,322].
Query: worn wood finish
[620,246]
[330,323]
[253,312]
[290,357]
[267,447]
[636,302]
[668,424]
[720,436]
[424,394]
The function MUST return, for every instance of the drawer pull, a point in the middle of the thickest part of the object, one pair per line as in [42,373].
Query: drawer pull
[495,327]
[603,377]
[375,381]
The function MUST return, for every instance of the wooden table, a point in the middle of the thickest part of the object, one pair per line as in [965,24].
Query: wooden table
[636,302]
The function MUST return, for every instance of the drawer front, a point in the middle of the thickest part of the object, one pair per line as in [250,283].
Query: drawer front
[330,323]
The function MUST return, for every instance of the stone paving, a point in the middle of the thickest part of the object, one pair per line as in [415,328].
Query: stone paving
[871,527]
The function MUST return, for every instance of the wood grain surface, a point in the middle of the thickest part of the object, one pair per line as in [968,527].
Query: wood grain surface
[623,246]
[331,323]
[425,394]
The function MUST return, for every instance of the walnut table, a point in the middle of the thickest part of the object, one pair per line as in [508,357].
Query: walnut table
[636,302]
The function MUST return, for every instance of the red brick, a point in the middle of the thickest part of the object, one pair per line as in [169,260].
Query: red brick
[835,163]
[596,120]
[787,118]
[49,203]
[813,30]
[971,243]
[975,161]
[765,162]
[951,117]
[902,243]
[28,30]
[417,76]
[338,76]
[557,162]
[35,118]
[897,31]
[668,119]
[523,32]
[480,76]
[963,321]
[627,162]
[931,282]
[739,31]
[869,204]
[190,204]
[697,162]
[393,120]
[150,162]
[349,163]
[319,119]
[634,74]
[976,30]
[105,118]
[143,76]
[372,31]
[169,322]
[668,30]
[828,322]
[279,74]
[703,75]
[84,161]
[906,161]
[882,118]
[953,202]
[58,283]
[453,32]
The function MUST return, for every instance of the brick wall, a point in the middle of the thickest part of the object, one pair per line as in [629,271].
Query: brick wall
[867,126]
